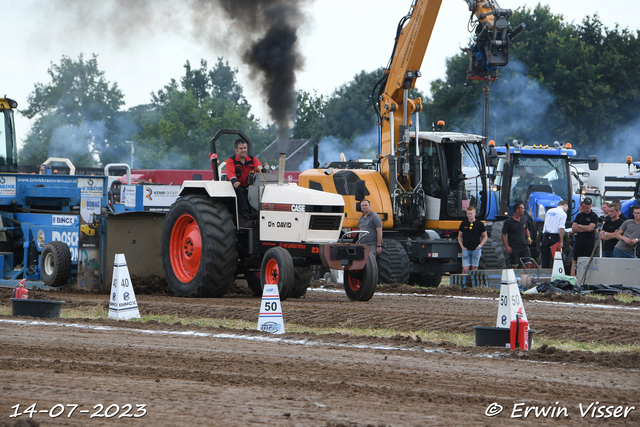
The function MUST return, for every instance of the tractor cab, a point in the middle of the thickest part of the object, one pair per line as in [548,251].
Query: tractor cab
[538,176]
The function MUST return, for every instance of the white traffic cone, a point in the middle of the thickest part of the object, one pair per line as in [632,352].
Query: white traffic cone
[270,319]
[510,301]
[123,304]
[558,265]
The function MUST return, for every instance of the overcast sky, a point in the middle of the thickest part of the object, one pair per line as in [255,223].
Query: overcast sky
[341,38]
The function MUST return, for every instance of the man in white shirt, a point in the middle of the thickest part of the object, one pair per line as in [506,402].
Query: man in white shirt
[553,232]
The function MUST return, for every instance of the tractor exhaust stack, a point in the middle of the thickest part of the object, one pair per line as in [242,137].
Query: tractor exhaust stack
[281,161]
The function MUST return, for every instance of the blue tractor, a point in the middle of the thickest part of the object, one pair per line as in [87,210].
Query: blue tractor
[539,176]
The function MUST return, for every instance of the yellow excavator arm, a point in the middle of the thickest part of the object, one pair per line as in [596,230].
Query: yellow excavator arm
[394,107]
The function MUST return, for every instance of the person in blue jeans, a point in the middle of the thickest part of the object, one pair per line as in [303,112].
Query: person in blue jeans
[471,237]
[628,235]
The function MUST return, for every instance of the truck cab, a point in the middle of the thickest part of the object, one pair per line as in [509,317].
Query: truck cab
[539,176]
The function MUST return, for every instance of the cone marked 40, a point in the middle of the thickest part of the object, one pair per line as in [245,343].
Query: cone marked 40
[122,303]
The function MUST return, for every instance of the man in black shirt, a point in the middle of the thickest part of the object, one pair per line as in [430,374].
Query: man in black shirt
[608,236]
[471,231]
[516,228]
[583,227]
[619,206]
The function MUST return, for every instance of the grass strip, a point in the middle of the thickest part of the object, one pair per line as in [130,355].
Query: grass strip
[465,340]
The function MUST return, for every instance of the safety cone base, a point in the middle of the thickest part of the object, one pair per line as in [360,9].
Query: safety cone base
[122,303]
[270,319]
[510,301]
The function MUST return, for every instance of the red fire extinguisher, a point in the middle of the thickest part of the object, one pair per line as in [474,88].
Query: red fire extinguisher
[520,333]
[20,291]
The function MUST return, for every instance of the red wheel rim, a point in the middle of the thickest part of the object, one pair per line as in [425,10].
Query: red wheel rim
[354,284]
[185,248]
[271,272]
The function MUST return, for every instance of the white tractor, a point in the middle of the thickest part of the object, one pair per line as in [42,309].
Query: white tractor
[292,230]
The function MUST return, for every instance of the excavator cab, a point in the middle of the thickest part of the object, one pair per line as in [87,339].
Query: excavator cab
[8,147]
[453,177]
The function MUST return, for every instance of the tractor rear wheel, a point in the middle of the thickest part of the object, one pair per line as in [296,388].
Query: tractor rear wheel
[360,285]
[199,247]
[55,264]
[277,268]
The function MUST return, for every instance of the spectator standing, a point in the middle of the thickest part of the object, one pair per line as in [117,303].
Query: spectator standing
[628,235]
[608,235]
[553,232]
[371,222]
[583,227]
[516,228]
[619,206]
[472,236]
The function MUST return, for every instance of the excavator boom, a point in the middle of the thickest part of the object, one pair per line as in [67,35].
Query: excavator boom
[489,52]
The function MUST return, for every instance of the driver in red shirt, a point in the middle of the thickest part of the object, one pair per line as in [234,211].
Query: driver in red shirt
[238,169]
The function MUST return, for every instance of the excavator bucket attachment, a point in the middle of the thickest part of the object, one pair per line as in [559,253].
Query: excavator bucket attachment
[491,49]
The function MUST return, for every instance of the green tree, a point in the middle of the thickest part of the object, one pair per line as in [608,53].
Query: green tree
[349,111]
[572,82]
[183,117]
[309,114]
[75,114]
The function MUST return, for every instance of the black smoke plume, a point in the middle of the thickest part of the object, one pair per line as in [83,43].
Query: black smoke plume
[262,33]
[273,53]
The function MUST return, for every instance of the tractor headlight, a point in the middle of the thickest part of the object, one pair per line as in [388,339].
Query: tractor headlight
[542,212]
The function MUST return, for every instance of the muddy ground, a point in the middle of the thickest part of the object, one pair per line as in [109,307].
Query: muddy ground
[189,375]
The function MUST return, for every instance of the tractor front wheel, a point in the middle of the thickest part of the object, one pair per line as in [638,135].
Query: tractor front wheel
[277,269]
[360,285]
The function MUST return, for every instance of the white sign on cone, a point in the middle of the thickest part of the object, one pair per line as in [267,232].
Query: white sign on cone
[510,301]
[122,303]
[270,319]
[558,265]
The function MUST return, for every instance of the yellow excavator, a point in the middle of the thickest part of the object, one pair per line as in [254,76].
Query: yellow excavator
[417,182]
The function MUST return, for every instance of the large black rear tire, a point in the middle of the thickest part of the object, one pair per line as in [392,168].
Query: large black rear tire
[393,263]
[199,247]
[55,264]
[360,285]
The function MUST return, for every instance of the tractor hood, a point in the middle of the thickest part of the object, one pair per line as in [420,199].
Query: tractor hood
[298,196]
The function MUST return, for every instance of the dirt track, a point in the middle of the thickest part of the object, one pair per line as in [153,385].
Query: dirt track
[205,376]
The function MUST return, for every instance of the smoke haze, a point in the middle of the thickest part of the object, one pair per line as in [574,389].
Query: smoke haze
[520,108]
[364,146]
